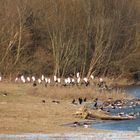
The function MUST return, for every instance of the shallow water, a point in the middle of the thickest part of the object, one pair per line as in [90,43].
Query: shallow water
[73,136]
[134,90]
[127,125]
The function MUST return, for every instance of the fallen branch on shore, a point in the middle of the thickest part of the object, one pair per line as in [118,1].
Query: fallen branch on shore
[86,113]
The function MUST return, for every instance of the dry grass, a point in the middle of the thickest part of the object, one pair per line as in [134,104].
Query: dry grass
[60,93]
[22,110]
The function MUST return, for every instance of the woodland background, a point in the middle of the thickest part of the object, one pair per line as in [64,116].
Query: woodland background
[62,37]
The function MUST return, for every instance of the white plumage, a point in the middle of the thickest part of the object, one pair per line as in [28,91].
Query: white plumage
[78,75]
[55,78]
[23,79]
[59,80]
[33,78]
[68,80]
[49,80]
[39,81]
[0,78]
[101,80]
[73,80]
[16,79]
[42,77]
[28,79]
[85,79]
[91,76]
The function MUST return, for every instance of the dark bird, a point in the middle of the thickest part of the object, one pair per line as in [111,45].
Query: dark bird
[80,100]
[102,108]
[4,94]
[73,101]
[87,83]
[85,99]
[96,100]
[43,101]
[54,101]
[34,84]
[95,105]
[75,124]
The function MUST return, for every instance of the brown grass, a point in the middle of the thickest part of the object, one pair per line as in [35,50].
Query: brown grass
[22,110]
[62,93]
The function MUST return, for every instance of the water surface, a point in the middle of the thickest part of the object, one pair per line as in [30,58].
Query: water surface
[134,90]
[124,125]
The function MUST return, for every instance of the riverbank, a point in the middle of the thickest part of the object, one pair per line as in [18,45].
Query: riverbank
[28,109]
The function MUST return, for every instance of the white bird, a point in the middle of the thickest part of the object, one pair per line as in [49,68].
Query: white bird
[49,80]
[85,125]
[78,75]
[0,78]
[91,76]
[42,77]
[85,79]
[59,80]
[39,81]
[28,79]
[23,79]
[101,79]
[16,79]
[68,80]
[73,80]
[33,78]
[55,78]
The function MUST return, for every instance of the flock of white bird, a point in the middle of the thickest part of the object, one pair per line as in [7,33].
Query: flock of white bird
[43,79]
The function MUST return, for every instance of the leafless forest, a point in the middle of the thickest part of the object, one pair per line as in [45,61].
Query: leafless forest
[62,37]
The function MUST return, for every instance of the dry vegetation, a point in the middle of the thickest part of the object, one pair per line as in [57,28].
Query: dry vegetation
[66,36]
[22,110]
[60,93]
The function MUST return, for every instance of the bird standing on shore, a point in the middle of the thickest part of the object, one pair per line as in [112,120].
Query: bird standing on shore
[80,100]
[43,101]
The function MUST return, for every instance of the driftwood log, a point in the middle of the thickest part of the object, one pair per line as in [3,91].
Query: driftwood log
[87,113]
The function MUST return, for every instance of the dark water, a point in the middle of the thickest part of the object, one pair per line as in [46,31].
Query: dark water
[125,125]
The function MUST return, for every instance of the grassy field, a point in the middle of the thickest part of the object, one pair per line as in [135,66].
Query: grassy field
[22,109]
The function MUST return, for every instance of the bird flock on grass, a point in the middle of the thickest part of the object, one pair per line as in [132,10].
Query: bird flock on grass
[76,80]
[53,80]
[69,81]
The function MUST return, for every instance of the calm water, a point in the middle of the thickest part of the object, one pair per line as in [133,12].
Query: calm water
[125,125]
[134,90]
